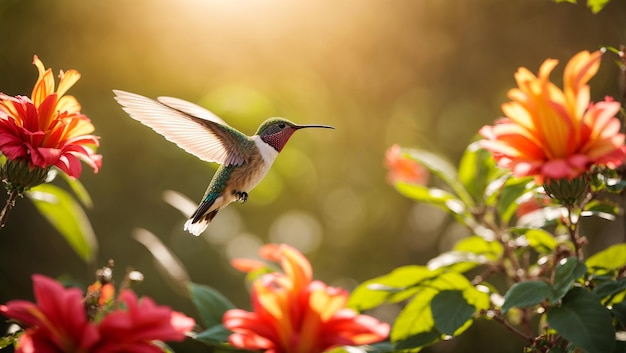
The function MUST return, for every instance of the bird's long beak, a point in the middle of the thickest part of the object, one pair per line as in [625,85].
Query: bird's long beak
[298,127]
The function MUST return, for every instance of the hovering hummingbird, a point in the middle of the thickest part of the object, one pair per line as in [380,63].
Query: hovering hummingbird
[244,159]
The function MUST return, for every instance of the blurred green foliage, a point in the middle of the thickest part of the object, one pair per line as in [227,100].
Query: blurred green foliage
[425,73]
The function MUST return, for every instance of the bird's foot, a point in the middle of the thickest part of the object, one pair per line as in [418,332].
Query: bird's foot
[242,196]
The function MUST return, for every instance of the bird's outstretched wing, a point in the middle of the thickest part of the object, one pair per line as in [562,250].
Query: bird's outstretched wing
[191,127]
[190,109]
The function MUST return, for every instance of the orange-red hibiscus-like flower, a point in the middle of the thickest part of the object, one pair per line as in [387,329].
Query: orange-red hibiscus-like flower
[403,169]
[48,128]
[554,133]
[294,314]
[58,322]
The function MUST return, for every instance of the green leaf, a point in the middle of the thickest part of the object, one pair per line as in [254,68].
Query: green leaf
[610,288]
[415,326]
[582,320]
[540,240]
[442,169]
[566,273]
[450,311]
[467,253]
[619,311]
[78,189]
[525,294]
[380,347]
[596,5]
[479,246]
[210,303]
[419,340]
[512,190]
[610,258]
[459,261]
[214,335]
[602,208]
[439,198]
[417,318]
[398,285]
[476,170]
[66,215]
[620,184]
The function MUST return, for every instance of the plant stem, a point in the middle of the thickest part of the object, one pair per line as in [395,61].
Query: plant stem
[525,322]
[13,194]
[573,233]
[513,329]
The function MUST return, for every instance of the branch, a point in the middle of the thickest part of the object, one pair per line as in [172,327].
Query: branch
[13,194]
[513,329]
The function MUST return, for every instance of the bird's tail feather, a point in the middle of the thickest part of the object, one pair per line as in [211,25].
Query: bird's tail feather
[197,226]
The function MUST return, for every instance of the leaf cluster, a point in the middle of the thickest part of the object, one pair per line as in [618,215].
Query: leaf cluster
[579,304]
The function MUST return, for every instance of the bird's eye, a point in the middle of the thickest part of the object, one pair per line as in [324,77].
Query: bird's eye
[281,125]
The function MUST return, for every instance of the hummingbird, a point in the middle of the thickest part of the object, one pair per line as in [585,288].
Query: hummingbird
[244,160]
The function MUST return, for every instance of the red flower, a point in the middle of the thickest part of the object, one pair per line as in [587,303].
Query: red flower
[57,323]
[134,328]
[293,314]
[551,133]
[48,129]
[403,169]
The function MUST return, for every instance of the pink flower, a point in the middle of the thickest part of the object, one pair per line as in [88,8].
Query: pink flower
[57,323]
[134,328]
[554,133]
[294,314]
[48,128]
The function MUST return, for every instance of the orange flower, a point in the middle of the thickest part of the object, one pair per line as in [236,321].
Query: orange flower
[402,168]
[551,133]
[48,129]
[101,294]
[294,314]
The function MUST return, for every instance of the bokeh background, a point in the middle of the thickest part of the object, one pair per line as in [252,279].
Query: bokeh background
[420,73]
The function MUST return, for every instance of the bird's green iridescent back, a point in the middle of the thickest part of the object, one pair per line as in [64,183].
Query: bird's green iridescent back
[218,183]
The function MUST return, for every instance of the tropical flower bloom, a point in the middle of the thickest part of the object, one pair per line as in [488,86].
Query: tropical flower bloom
[551,133]
[48,128]
[58,322]
[133,329]
[293,313]
[403,169]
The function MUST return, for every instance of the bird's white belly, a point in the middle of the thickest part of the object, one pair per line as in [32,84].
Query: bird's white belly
[268,154]
[256,178]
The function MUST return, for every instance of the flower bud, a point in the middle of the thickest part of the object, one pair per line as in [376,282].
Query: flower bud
[20,175]
[567,192]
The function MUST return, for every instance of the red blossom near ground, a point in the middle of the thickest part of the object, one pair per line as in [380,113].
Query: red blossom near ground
[48,128]
[57,322]
[292,313]
[554,133]
[133,328]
